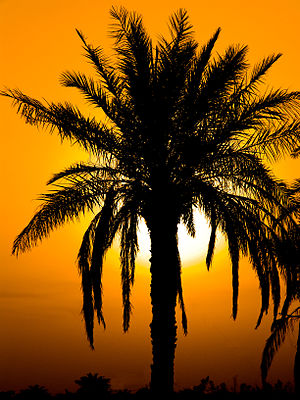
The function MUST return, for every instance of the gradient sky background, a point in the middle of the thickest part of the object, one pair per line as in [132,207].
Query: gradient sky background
[42,336]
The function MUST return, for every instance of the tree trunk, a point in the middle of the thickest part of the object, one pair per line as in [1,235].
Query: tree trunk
[297,365]
[164,265]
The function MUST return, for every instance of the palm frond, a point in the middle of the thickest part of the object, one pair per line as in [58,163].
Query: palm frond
[295,188]
[273,343]
[104,235]
[246,89]
[273,140]
[96,241]
[92,91]
[194,79]
[80,169]
[188,220]
[68,120]
[88,307]
[275,287]
[84,260]
[241,222]
[262,68]
[256,258]
[59,206]
[233,246]
[109,78]
[218,82]
[128,251]
[212,239]
[134,48]
[180,27]
[223,73]
[174,61]
[180,295]
[181,44]
[295,153]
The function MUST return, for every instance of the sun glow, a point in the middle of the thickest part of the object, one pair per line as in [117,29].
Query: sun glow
[191,249]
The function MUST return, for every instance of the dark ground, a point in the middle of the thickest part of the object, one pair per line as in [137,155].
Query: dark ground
[93,386]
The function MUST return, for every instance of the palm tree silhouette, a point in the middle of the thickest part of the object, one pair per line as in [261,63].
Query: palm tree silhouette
[184,130]
[34,392]
[93,386]
[287,319]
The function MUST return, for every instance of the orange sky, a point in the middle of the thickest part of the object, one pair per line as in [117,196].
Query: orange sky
[42,337]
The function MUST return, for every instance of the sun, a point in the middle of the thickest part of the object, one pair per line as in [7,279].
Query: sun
[191,249]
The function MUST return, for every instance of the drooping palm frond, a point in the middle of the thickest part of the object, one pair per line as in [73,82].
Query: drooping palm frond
[274,140]
[128,250]
[240,219]
[273,343]
[180,295]
[80,169]
[69,122]
[96,241]
[280,329]
[84,260]
[59,206]
[234,245]
[275,286]
[188,219]
[212,239]
[88,309]
[104,235]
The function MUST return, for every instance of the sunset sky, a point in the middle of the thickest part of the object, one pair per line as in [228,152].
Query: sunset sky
[42,335]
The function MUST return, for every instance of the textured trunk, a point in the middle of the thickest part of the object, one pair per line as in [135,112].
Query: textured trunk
[297,365]
[163,234]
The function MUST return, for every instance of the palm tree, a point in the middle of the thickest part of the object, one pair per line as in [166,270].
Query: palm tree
[93,386]
[184,130]
[35,392]
[287,320]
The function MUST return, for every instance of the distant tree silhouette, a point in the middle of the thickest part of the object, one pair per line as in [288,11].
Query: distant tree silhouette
[92,386]
[34,392]
[207,386]
[184,130]
[7,395]
[288,318]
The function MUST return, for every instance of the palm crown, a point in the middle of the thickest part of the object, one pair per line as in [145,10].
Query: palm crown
[183,130]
